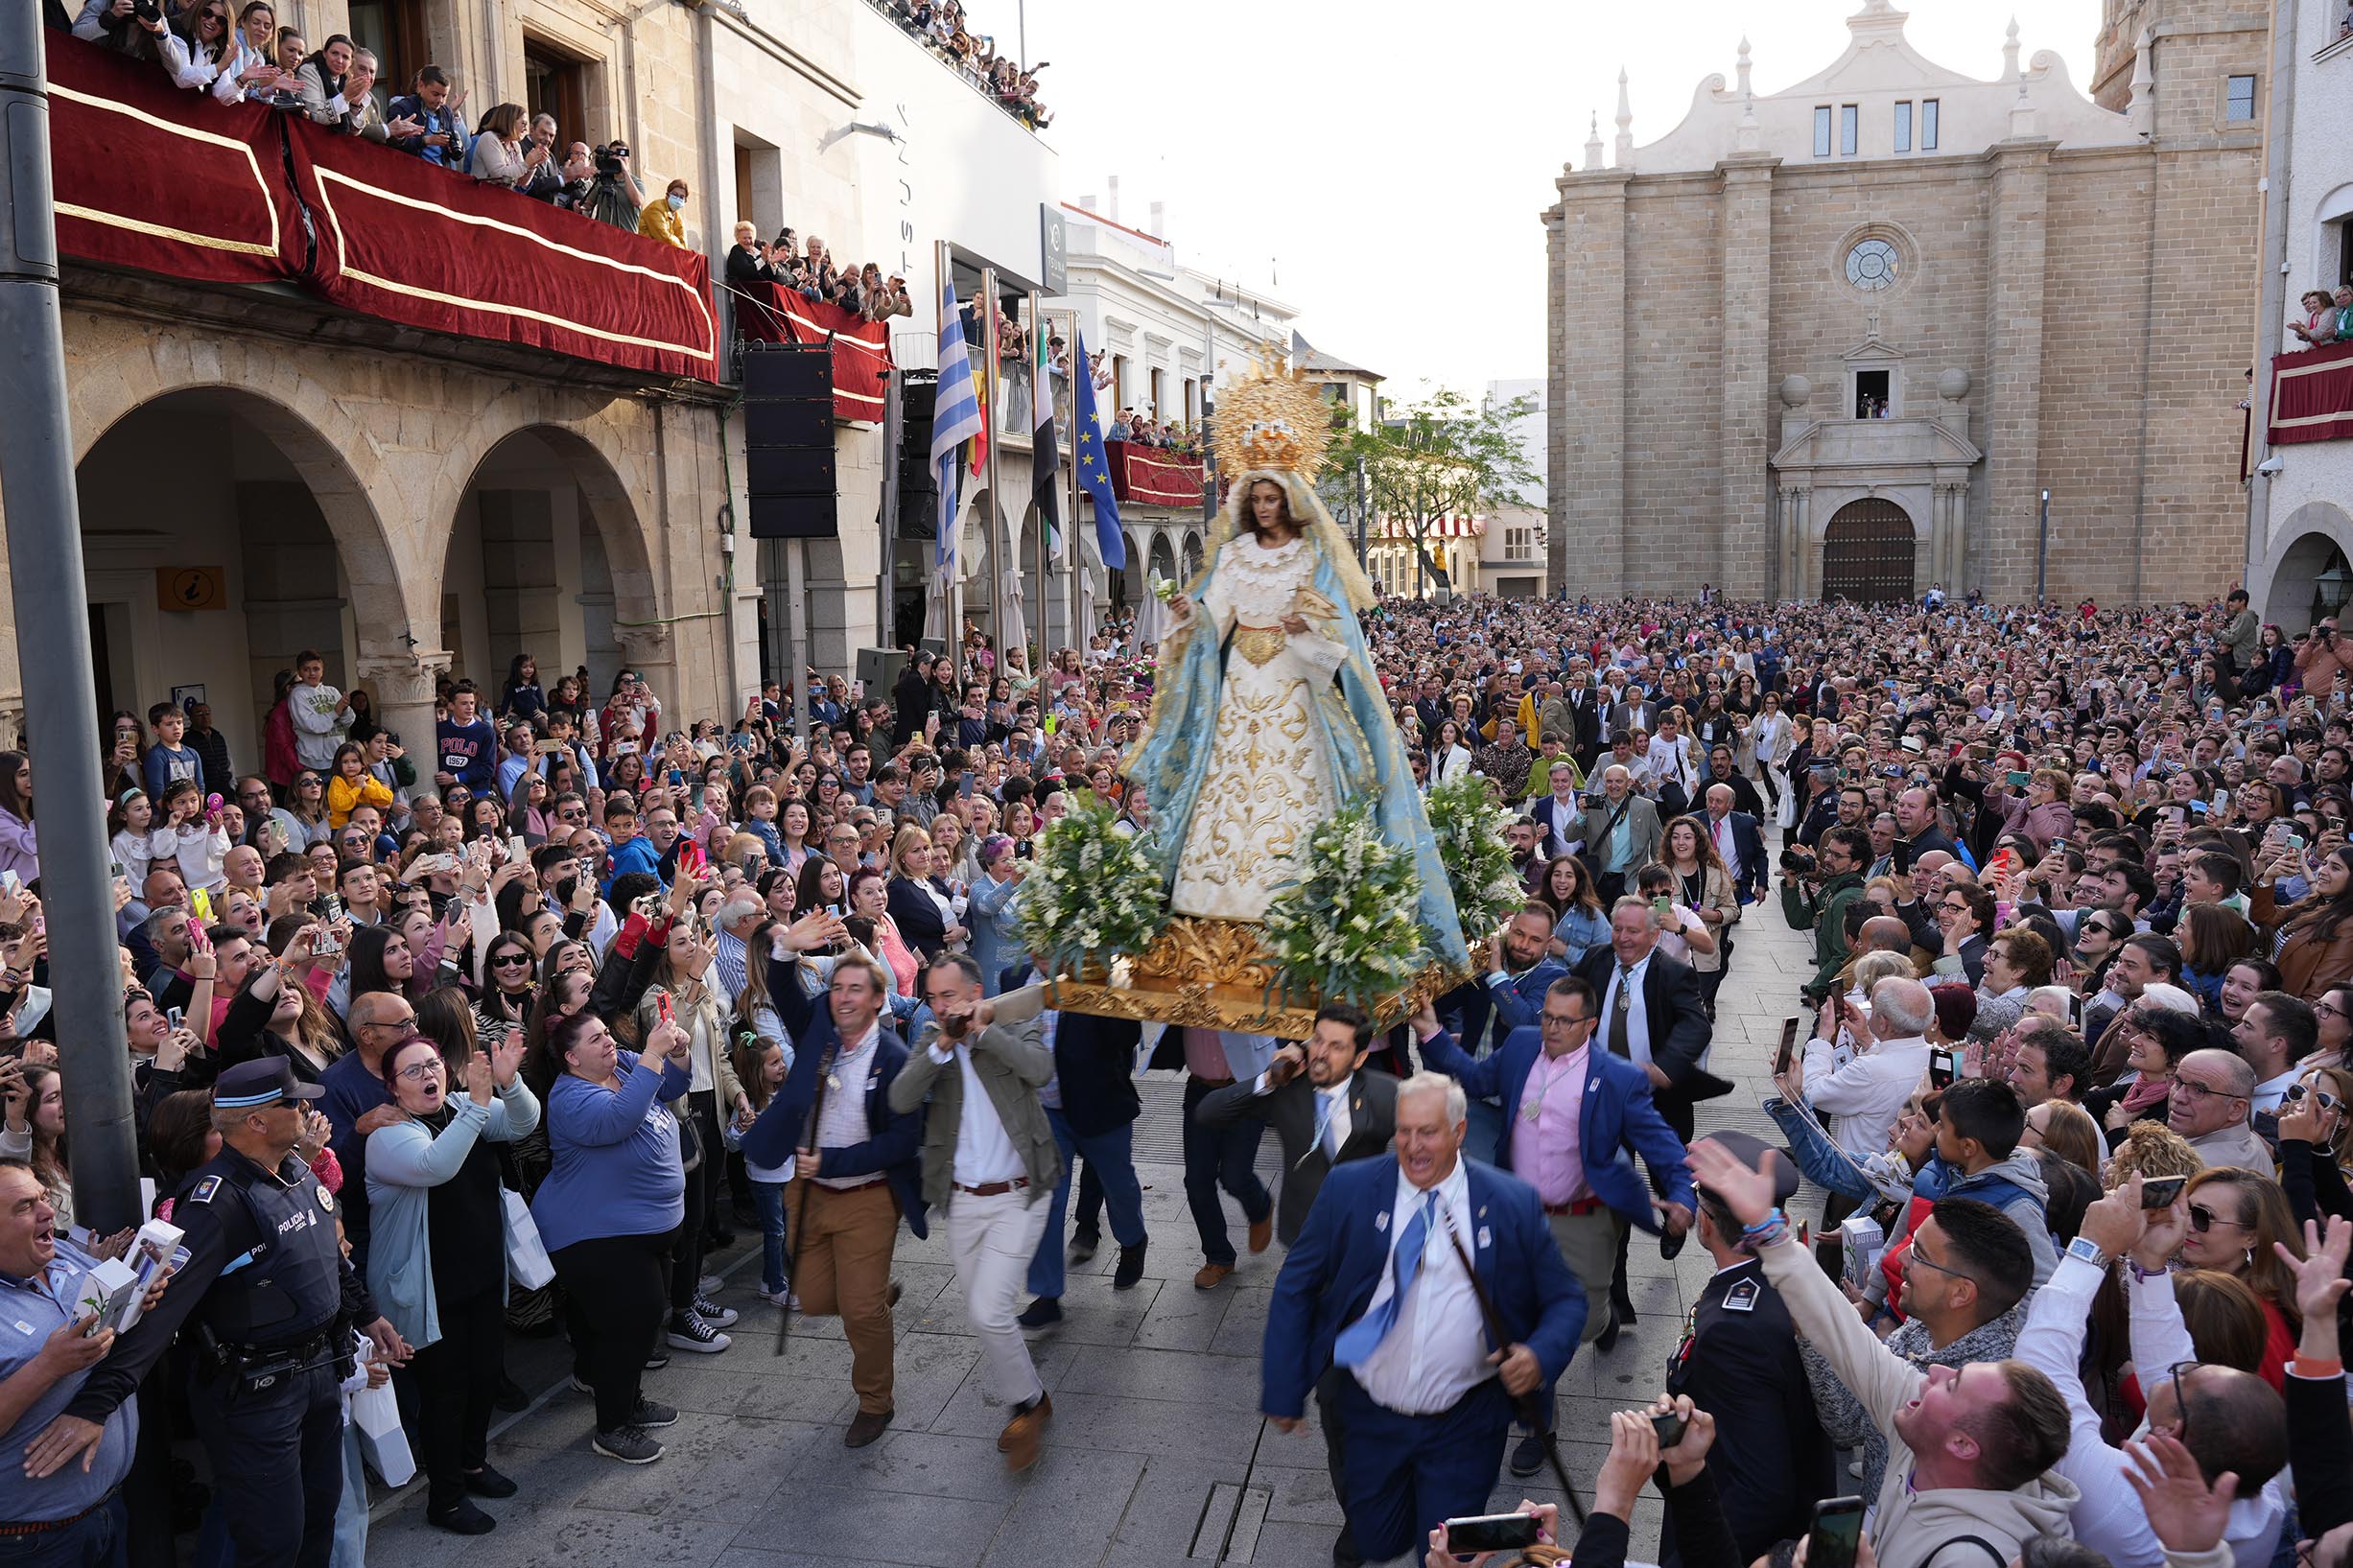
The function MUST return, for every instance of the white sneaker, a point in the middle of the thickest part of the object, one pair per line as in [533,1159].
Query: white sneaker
[783,1298]
[708,1285]
[714,1314]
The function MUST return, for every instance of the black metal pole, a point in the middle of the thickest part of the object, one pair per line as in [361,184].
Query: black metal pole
[2043,544]
[53,653]
[53,650]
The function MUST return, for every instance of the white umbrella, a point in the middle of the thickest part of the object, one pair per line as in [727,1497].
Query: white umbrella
[1010,632]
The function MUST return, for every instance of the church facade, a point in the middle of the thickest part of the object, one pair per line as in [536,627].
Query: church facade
[1840,338]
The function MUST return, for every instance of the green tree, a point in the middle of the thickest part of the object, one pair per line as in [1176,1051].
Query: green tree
[1445,456]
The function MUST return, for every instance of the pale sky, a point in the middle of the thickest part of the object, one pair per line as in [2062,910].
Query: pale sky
[1383,165]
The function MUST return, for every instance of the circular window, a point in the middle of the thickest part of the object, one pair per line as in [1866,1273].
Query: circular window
[1872,265]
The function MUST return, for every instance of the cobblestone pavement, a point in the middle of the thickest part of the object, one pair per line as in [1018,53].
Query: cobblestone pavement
[1155,1456]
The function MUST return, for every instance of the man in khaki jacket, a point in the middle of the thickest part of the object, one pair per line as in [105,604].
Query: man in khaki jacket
[990,1163]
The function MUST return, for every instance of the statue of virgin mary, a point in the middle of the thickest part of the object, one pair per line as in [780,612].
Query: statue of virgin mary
[1267,715]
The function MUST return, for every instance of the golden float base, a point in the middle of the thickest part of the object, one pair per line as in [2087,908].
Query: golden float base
[1211,975]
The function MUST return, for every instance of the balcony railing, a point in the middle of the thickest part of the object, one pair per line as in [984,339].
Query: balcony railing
[154,179]
[2312,396]
[1149,475]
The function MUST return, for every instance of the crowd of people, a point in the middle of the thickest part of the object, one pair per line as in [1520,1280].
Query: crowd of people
[534,1014]
[941,27]
[805,268]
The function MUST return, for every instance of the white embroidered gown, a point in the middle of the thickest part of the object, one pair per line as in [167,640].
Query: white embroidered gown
[1270,781]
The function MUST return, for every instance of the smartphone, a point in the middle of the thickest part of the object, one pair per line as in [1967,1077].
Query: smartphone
[2075,1012]
[1900,857]
[2016,779]
[1837,1532]
[1943,1067]
[14,884]
[2296,841]
[330,907]
[200,904]
[1662,908]
[1789,1044]
[516,848]
[1669,1427]
[676,778]
[1493,1532]
[663,1002]
[2180,815]
[2160,1191]
[173,1014]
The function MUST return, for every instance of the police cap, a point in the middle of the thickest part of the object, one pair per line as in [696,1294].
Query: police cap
[1755,1151]
[250,1085]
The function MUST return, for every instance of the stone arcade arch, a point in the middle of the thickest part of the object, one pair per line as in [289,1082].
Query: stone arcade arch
[223,533]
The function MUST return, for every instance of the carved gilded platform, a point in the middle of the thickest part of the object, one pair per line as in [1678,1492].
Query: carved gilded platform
[1210,974]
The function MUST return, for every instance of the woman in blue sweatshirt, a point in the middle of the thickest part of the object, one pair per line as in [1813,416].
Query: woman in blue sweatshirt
[610,1209]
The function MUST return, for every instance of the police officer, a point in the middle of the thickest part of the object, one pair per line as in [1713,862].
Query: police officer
[271,1304]
[1738,1361]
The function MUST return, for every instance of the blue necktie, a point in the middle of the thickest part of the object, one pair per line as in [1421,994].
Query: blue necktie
[1360,1338]
[1325,1104]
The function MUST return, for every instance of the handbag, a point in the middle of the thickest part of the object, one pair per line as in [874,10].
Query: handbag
[527,1255]
[376,1413]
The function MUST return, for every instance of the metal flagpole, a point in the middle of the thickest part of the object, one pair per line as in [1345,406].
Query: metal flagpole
[1001,556]
[1041,364]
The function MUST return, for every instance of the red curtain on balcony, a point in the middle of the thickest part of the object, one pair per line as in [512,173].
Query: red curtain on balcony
[766,314]
[408,241]
[1153,475]
[161,180]
[2312,396]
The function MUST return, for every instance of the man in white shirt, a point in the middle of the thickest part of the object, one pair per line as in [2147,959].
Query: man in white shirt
[321,715]
[991,1163]
[2235,1419]
[1381,1287]
[2276,1031]
[1864,1097]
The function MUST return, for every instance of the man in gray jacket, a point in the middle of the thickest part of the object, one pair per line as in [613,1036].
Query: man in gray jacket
[990,1165]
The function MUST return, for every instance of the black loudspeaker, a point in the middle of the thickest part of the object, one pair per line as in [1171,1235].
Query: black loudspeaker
[788,441]
[918,485]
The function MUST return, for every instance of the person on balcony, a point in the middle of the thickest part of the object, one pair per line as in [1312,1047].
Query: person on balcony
[194,45]
[747,259]
[438,138]
[499,156]
[660,220]
[2319,323]
[547,176]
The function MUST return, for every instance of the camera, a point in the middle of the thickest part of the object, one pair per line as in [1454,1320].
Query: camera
[612,158]
[1799,862]
[148,10]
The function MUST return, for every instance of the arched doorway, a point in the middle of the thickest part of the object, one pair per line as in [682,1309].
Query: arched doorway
[2314,578]
[223,534]
[1867,553]
[544,557]
[1164,558]
[1192,556]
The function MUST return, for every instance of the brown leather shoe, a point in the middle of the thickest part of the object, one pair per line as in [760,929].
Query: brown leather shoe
[1212,1275]
[1262,1232]
[865,1428]
[1018,1441]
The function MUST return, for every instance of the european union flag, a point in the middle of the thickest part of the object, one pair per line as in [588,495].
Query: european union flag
[1093,461]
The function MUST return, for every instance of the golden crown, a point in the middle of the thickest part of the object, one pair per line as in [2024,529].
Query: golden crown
[1273,418]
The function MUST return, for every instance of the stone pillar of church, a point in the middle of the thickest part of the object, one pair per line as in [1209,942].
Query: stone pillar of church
[1744,223]
[2004,550]
[1585,546]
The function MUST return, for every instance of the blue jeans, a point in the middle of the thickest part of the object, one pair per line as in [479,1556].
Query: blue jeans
[351,1514]
[1109,1156]
[95,1540]
[768,1197]
[1823,1162]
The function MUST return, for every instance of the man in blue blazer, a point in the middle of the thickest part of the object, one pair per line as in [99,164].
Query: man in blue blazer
[1379,1309]
[861,1161]
[1575,1118]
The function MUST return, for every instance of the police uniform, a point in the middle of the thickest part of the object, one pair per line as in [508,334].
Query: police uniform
[1738,1361]
[269,1302]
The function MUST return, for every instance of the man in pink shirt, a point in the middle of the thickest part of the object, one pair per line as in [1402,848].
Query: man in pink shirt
[1578,1116]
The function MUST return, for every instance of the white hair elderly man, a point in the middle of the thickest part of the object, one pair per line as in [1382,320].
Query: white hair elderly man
[1384,1300]
[1864,1097]
[736,920]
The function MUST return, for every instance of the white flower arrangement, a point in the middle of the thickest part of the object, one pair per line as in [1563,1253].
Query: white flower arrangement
[1468,828]
[1347,927]
[1090,896]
